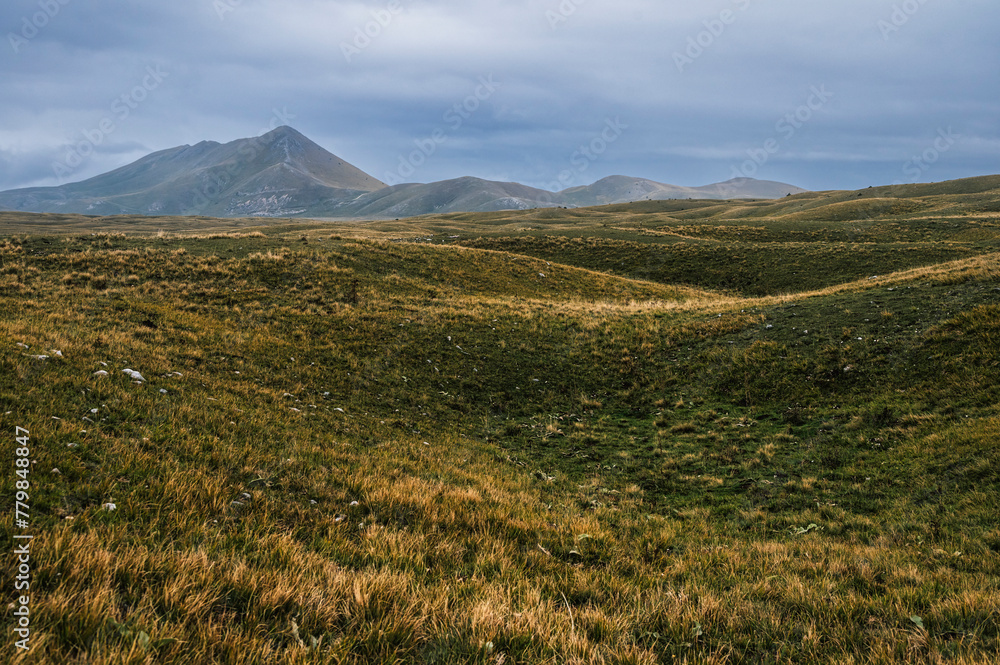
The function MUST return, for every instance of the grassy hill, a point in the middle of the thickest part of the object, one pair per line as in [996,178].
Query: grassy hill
[659,433]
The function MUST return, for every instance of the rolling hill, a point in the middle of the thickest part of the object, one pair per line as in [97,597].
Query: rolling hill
[667,431]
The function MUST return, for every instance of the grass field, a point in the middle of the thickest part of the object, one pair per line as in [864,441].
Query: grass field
[755,432]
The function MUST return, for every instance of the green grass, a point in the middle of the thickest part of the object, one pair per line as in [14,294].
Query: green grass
[354,449]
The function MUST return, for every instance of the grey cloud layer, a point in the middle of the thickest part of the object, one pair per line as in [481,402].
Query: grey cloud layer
[703,87]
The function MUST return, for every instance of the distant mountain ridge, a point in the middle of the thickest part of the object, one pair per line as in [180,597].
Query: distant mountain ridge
[281,173]
[284,174]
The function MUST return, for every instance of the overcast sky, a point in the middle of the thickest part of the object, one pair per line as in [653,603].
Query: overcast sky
[550,93]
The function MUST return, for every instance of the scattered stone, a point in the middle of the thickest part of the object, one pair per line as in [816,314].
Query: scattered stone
[136,376]
[100,372]
[56,472]
[109,507]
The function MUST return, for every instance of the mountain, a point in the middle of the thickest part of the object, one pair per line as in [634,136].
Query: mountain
[281,173]
[622,189]
[284,174]
[476,195]
[459,195]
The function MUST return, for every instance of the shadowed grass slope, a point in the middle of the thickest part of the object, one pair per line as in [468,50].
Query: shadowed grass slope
[362,452]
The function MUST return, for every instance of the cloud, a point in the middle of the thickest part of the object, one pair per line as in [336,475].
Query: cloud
[366,79]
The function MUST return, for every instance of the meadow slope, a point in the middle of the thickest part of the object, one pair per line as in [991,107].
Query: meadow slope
[599,436]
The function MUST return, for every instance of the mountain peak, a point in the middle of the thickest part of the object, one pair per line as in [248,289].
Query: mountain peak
[285,132]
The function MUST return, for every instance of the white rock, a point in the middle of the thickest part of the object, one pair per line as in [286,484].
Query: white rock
[109,507]
[133,374]
[23,346]
[100,372]
[94,410]
[162,391]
